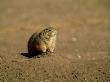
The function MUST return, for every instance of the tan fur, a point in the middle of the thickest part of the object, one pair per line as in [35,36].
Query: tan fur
[43,41]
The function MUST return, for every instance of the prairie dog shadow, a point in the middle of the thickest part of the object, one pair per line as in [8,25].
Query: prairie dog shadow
[31,55]
[27,55]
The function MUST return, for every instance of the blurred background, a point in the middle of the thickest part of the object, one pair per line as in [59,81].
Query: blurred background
[46,12]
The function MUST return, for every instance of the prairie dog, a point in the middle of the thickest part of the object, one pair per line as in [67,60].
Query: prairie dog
[43,41]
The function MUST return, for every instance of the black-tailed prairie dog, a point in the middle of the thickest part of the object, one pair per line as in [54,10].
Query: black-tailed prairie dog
[43,41]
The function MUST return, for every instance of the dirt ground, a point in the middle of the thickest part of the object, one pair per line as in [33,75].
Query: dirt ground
[82,52]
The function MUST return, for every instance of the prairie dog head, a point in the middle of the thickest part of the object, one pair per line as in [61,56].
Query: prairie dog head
[48,32]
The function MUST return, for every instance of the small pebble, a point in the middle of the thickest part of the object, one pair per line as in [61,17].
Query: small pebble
[74,39]
[79,56]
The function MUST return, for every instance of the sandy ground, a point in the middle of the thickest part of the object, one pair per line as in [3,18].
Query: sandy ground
[82,51]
